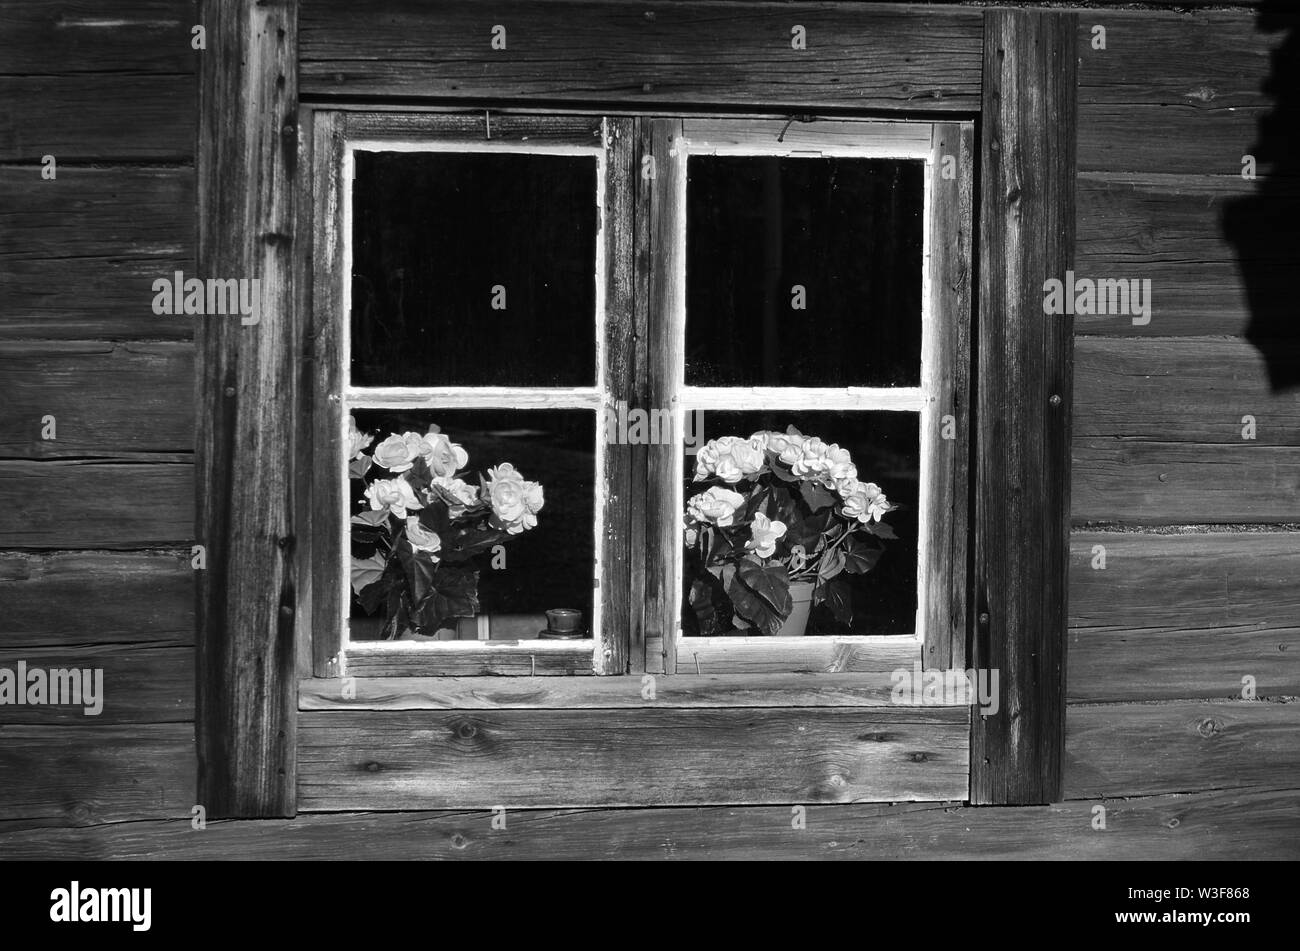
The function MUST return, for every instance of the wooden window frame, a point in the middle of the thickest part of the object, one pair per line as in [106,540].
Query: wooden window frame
[1012,69]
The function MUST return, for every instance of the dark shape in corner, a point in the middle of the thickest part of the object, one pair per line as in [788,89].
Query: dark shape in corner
[1264,228]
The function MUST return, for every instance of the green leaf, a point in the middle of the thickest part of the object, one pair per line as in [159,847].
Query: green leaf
[358,467]
[881,530]
[374,519]
[817,495]
[419,476]
[832,564]
[859,558]
[771,583]
[454,594]
[839,597]
[751,607]
[366,571]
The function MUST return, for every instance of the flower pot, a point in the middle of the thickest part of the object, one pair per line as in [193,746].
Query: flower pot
[796,625]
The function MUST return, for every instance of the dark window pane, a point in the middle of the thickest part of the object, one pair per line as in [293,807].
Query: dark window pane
[547,566]
[848,231]
[435,233]
[878,589]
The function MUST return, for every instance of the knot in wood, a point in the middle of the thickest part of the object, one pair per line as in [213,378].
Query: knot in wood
[1209,727]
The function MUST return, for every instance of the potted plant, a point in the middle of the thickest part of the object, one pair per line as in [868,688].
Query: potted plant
[426,525]
[780,523]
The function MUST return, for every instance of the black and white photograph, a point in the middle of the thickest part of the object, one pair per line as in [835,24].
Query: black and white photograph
[692,430]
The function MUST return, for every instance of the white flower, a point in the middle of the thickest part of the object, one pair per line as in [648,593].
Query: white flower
[730,458]
[421,538]
[764,534]
[398,453]
[443,456]
[396,495]
[716,505]
[515,502]
[357,440]
[864,501]
[457,493]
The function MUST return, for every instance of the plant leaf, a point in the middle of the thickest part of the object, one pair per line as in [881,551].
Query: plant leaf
[367,571]
[771,583]
[832,564]
[816,495]
[358,467]
[751,607]
[860,558]
[839,597]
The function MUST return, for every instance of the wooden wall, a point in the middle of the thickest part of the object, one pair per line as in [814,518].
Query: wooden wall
[1201,528]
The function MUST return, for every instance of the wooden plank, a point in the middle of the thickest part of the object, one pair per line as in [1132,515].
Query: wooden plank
[133,684]
[64,598]
[60,504]
[560,659]
[87,117]
[91,774]
[662,196]
[1024,373]
[618,227]
[541,758]
[79,254]
[1152,749]
[1173,231]
[1185,390]
[247,397]
[1207,825]
[810,655]
[477,126]
[1175,483]
[1197,84]
[638,519]
[1228,607]
[106,399]
[951,226]
[42,37]
[597,693]
[893,58]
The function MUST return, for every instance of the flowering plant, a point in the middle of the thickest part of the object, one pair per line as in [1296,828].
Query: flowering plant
[425,525]
[779,509]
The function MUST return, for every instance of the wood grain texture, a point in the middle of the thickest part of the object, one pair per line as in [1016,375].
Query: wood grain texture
[1208,825]
[140,684]
[600,693]
[119,401]
[1196,84]
[1024,362]
[570,660]
[866,57]
[65,598]
[91,774]
[810,655]
[662,619]
[1152,749]
[1184,616]
[64,503]
[79,254]
[1170,229]
[86,117]
[952,225]
[540,758]
[618,231]
[246,398]
[43,37]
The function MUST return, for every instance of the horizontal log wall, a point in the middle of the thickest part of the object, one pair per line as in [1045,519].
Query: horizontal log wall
[98,520]
[1159,639]
[1196,601]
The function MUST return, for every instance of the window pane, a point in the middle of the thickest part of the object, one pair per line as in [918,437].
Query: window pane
[803,271]
[473,269]
[528,559]
[732,572]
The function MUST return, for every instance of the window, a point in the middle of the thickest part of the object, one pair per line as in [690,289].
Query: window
[522,285]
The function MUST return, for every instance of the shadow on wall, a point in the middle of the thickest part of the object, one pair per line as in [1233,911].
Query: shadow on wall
[1264,228]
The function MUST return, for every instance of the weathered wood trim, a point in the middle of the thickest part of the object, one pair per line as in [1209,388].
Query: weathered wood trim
[656,53]
[246,398]
[1221,825]
[874,689]
[1183,616]
[404,759]
[1153,749]
[472,659]
[1024,387]
[951,225]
